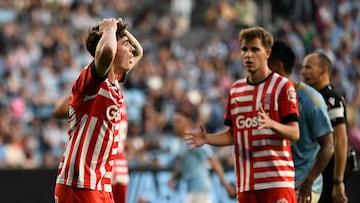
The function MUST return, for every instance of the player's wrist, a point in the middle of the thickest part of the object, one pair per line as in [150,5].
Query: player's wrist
[337,181]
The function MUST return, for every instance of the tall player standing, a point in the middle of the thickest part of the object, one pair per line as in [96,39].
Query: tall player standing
[261,118]
[96,117]
[316,70]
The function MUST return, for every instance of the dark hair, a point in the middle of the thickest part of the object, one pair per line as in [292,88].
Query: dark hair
[281,51]
[94,36]
[251,33]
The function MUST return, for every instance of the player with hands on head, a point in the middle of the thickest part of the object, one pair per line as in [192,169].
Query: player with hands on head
[312,152]
[261,121]
[96,116]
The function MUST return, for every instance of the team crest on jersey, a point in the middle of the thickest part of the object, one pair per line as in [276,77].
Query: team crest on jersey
[267,101]
[282,200]
[331,101]
[291,94]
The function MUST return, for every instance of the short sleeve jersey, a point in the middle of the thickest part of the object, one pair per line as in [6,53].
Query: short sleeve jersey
[263,159]
[95,113]
[314,123]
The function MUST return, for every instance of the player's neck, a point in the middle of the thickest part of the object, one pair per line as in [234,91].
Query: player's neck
[322,84]
[259,76]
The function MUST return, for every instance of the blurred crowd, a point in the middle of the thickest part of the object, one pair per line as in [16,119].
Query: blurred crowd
[191,55]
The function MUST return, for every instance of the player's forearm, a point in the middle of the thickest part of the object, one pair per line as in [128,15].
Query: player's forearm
[219,170]
[288,131]
[105,51]
[138,48]
[323,157]
[223,138]
[340,151]
[61,108]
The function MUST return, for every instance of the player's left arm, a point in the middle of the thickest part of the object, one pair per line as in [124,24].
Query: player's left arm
[288,130]
[138,52]
[340,151]
[61,108]
[338,119]
[288,126]
[322,159]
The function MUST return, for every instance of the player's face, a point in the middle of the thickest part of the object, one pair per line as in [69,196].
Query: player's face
[124,55]
[254,55]
[311,71]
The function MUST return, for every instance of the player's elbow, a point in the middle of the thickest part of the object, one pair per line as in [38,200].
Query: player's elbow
[296,132]
[296,136]
[330,149]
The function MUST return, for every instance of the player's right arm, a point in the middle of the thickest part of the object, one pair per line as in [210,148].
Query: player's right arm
[322,159]
[219,170]
[201,137]
[107,46]
[61,109]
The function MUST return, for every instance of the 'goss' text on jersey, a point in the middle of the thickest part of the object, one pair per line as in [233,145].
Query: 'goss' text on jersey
[249,122]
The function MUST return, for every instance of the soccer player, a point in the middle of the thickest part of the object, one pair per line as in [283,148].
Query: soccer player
[312,152]
[316,69]
[120,176]
[96,116]
[262,119]
[194,167]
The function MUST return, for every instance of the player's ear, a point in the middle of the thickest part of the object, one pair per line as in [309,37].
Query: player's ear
[268,52]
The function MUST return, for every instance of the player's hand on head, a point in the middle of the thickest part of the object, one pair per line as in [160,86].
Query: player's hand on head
[108,23]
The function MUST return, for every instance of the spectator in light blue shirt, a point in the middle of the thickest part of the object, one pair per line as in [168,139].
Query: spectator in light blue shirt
[195,165]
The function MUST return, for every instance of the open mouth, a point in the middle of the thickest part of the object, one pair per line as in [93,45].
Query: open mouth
[248,63]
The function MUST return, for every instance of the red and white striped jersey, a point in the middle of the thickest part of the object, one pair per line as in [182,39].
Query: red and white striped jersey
[120,170]
[262,159]
[95,113]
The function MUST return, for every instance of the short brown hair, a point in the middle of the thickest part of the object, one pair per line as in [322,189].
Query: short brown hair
[251,33]
[93,36]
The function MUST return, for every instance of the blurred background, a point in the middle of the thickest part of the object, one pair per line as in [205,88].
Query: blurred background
[191,53]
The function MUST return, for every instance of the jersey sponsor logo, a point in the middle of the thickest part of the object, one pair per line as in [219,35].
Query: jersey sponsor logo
[249,122]
[291,94]
[113,113]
